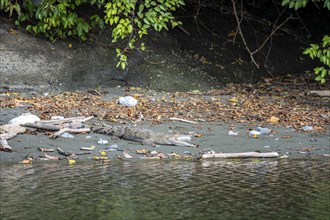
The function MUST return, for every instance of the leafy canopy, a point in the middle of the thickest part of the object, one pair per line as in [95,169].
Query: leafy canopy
[319,51]
[129,19]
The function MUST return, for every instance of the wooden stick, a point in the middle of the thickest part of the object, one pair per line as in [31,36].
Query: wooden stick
[61,151]
[183,30]
[183,120]
[71,130]
[240,155]
[60,121]
[324,93]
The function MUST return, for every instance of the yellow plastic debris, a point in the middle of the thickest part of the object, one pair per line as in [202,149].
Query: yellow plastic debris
[273,120]
[26,161]
[234,99]
[71,162]
[99,158]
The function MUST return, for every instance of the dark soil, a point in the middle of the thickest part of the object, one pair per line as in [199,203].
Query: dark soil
[204,54]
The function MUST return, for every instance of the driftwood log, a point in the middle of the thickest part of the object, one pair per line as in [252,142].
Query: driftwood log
[7,132]
[212,154]
[4,144]
[48,127]
[60,125]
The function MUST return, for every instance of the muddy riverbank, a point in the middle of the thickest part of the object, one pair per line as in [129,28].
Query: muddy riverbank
[223,120]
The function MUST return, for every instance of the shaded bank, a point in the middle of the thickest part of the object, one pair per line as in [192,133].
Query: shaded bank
[203,56]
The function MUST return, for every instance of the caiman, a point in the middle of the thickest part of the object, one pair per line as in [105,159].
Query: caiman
[144,136]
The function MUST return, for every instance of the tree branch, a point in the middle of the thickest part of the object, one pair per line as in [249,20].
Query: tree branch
[242,36]
[239,30]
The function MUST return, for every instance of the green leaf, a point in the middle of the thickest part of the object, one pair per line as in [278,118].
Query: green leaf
[86,27]
[35,29]
[324,73]
[292,4]
[123,65]
[146,21]
[317,70]
[28,28]
[141,8]
[326,39]
[318,78]
[129,28]
[142,47]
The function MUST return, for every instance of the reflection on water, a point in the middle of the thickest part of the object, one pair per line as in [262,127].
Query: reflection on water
[210,189]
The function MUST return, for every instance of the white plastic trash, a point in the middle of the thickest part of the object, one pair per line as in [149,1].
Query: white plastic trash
[102,141]
[254,134]
[24,118]
[307,128]
[232,133]
[263,130]
[127,101]
[183,138]
[57,117]
[112,147]
[67,135]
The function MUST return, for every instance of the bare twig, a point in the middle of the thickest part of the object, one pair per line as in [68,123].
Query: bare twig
[183,30]
[183,120]
[241,34]
[239,30]
[271,34]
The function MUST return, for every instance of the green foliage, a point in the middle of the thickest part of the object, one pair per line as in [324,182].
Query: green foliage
[9,6]
[323,54]
[129,19]
[296,4]
[316,51]
[132,19]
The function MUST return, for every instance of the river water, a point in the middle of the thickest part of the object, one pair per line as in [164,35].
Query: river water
[208,189]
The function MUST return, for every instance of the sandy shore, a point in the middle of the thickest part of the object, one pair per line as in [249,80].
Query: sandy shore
[212,135]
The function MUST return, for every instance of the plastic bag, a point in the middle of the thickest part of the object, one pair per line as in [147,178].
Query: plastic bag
[127,101]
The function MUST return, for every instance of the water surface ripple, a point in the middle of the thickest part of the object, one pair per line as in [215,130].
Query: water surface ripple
[210,189]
